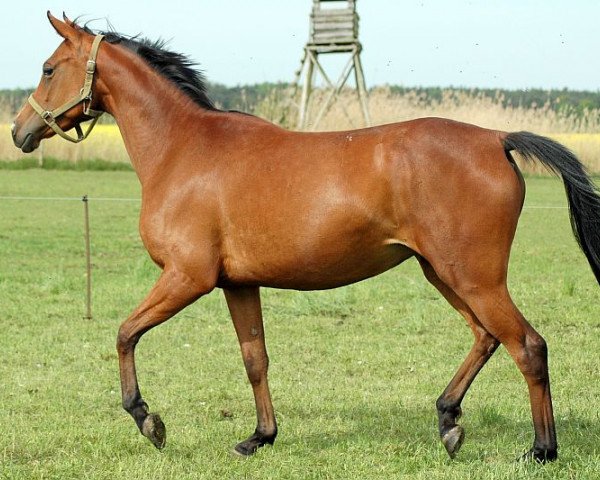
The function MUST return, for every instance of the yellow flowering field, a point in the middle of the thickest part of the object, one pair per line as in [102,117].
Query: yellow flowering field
[104,143]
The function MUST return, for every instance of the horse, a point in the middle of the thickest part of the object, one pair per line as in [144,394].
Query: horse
[234,202]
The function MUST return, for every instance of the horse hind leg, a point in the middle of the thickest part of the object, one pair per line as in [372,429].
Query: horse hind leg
[482,287]
[528,349]
[449,403]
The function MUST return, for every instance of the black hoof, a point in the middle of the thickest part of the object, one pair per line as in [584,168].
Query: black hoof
[453,440]
[253,443]
[539,455]
[154,429]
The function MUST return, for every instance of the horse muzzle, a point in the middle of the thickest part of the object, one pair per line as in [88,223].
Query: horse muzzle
[29,144]
[26,142]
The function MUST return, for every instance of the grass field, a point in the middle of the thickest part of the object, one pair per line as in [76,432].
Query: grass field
[354,372]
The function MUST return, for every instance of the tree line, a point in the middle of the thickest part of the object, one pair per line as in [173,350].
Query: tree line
[246,97]
[573,101]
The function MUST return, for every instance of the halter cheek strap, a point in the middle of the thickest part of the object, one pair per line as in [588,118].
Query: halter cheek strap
[85,96]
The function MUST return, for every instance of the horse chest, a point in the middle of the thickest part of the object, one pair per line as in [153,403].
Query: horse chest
[185,240]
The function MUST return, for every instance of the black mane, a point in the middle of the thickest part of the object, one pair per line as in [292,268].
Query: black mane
[176,67]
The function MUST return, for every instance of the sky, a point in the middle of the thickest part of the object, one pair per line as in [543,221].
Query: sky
[514,44]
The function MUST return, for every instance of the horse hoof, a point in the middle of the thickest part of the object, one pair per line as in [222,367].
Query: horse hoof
[240,452]
[253,443]
[453,440]
[245,449]
[154,429]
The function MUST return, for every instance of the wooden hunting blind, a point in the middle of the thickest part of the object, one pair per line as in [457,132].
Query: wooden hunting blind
[333,29]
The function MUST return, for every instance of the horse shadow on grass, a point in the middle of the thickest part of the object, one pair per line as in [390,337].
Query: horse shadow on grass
[412,431]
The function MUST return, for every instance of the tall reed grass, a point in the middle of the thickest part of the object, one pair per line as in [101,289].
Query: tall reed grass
[479,109]
[581,132]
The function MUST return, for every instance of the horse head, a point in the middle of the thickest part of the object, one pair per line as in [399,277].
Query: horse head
[60,102]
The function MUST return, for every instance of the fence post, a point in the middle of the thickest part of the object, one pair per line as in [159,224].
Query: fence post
[88,262]
[41,155]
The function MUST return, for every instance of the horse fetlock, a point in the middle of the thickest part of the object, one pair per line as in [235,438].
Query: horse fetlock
[448,408]
[154,430]
[138,409]
[448,414]
[135,404]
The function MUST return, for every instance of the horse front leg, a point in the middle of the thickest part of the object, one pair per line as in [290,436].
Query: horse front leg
[245,309]
[172,292]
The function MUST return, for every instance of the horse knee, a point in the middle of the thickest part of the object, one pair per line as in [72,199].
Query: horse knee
[126,342]
[124,345]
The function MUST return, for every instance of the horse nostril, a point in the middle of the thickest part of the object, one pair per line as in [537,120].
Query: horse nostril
[13,130]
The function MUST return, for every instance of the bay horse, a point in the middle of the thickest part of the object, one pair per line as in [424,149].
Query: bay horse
[232,201]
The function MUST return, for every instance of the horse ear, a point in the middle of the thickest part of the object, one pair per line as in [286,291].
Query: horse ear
[71,23]
[67,21]
[63,29]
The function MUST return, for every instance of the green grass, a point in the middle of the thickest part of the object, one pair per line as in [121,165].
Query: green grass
[354,372]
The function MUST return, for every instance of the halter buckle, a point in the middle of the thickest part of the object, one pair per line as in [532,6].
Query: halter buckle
[47,114]
[90,67]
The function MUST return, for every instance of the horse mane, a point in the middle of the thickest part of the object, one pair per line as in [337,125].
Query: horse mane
[178,68]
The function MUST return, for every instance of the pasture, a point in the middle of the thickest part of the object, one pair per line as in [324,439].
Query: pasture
[355,372]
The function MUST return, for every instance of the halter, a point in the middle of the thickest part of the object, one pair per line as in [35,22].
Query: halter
[85,96]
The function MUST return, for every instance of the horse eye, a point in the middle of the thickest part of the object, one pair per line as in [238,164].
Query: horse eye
[48,71]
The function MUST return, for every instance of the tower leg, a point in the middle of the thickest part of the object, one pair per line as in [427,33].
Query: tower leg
[334,93]
[297,76]
[307,68]
[360,87]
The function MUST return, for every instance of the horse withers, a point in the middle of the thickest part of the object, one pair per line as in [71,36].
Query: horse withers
[232,201]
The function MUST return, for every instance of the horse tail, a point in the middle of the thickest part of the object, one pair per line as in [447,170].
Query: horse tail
[583,196]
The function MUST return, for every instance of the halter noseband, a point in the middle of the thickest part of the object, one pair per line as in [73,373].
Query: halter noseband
[85,96]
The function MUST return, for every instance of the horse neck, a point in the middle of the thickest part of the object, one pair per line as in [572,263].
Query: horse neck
[148,109]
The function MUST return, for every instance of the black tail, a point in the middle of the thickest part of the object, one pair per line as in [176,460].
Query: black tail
[582,194]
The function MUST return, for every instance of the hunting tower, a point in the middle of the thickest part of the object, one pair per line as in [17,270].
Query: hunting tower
[333,29]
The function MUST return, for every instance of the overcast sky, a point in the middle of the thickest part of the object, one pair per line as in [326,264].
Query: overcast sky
[474,43]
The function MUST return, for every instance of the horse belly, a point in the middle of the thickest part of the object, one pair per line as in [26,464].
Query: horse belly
[316,263]
[338,270]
